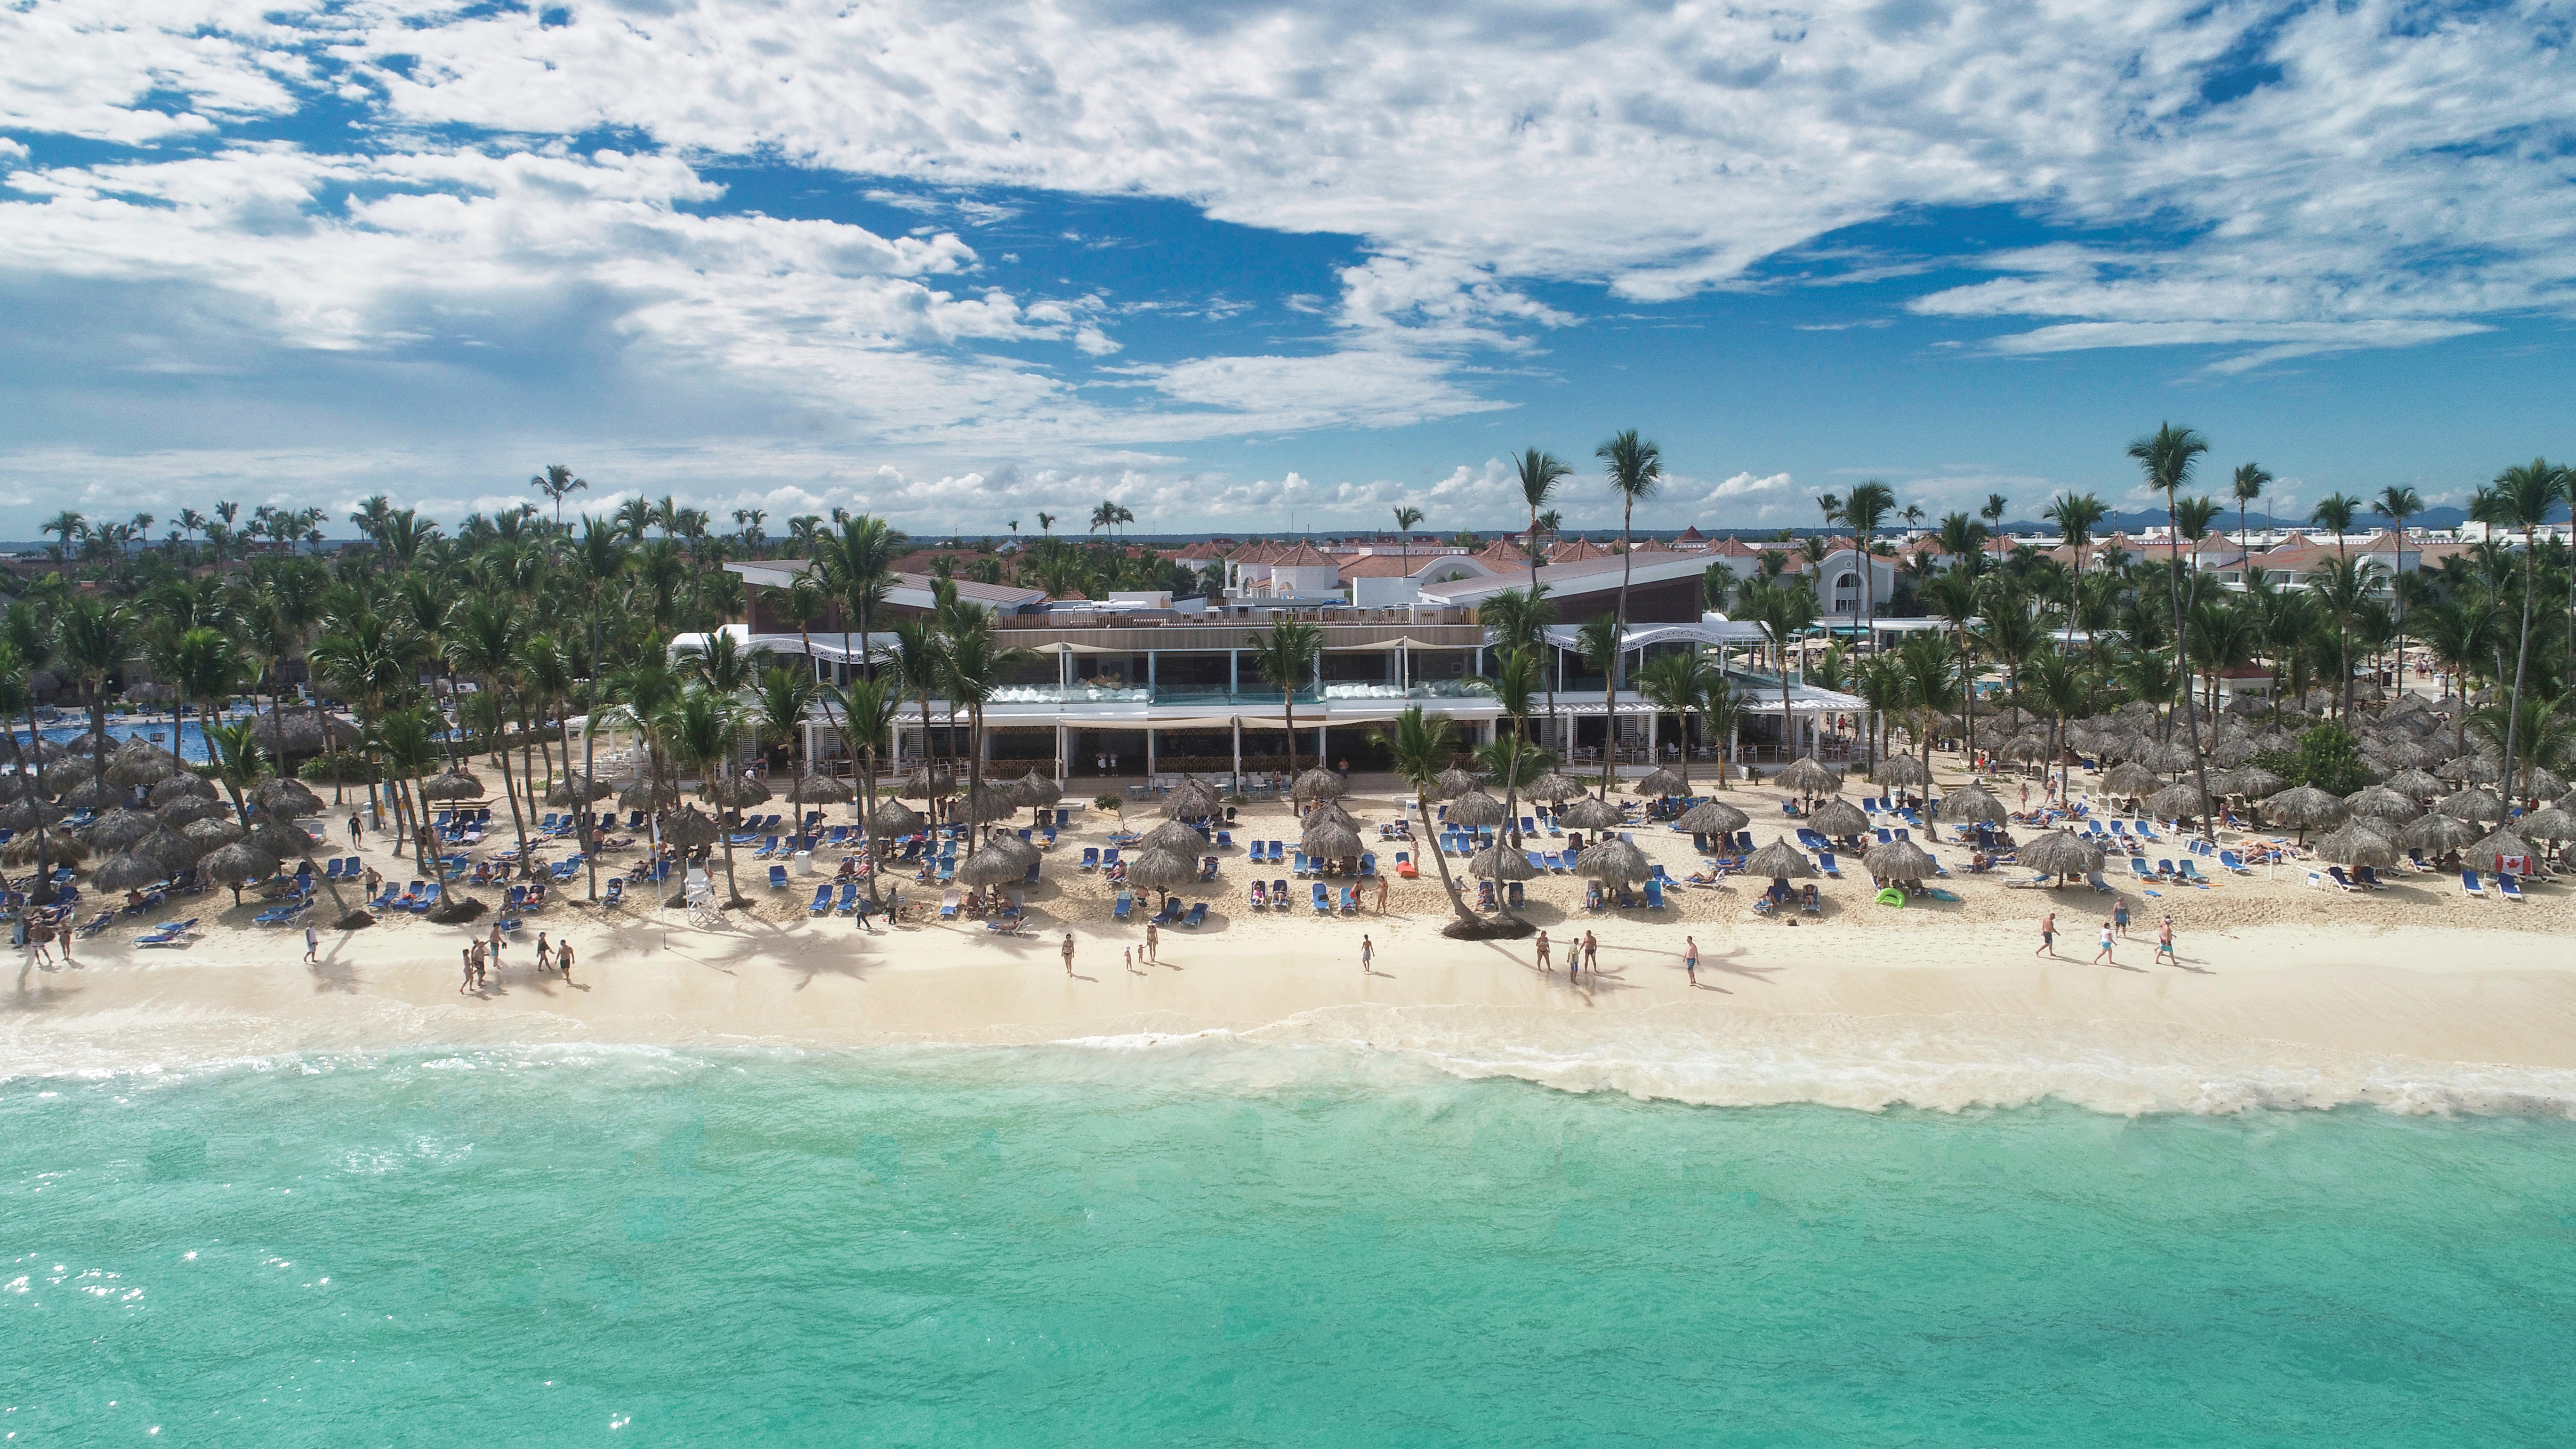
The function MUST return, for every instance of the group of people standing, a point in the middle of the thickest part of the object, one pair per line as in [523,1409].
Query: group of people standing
[483,957]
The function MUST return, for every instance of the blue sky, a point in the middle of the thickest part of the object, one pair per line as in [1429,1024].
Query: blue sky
[1250,267]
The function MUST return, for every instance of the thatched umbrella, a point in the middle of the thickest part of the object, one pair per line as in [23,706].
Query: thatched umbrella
[1779,859]
[279,838]
[119,828]
[2307,808]
[690,827]
[812,789]
[127,871]
[985,802]
[2247,704]
[2542,784]
[1453,782]
[59,779]
[1901,771]
[1804,776]
[308,732]
[737,792]
[142,764]
[1712,817]
[1330,840]
[1010,847]
[2378,802]
[1166,871]
[285,798]
[1171,835]
[188,809]
[2474,803]
[91,795]
[2253,782]
[1318,784]
[1590,813]
[26,815]
[893,819]
[237,865]
[2418,784]
[1193,800]
[2502,842]
[2356,843]
[2276,742]
[576,789]
[926,783]
[1974,803]
[457,784]
[2228,754]
[1839,817]
[1554,788]
[2399,752]
[1476,808]
[2475,768]
[990,866]
[2437,833]
[2029,748]
[2550,822]
[1663,781]
[212,834]
[2059,853]
[1323,810]
[647,793]
[59,849]
[2176,802]
[1497,862]
[167,848]
[1898,860]
[1614,862]
[1036,788]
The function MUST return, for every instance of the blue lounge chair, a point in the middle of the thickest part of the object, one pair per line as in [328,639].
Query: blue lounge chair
[1825,863]
[1225,840]
[1350,901]
[2511,887]
[948,904]
[1126,904]
[822,902]
[849,901]
[167,933]
[1368,862]
[1812,840]
[2184,869]
[1196,917]
[331,868]
[2469,883]
[1323,899]
[1744,842]
[1884,838]
[778,877]
[1207,867]
[1299,865]
[2367,878]
[1484,895]
[1552,827]
[1279,895]
[2232,861]
[1108,857]
[2120,828]
[1654,895]
[1090,858]
[616,891]
[1529,826]
[2138,867]
[2100,886]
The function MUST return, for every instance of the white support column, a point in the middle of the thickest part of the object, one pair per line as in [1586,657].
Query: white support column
[1653,723]
[1149,740]
[1238,752]
[1063,739]
[1234,674]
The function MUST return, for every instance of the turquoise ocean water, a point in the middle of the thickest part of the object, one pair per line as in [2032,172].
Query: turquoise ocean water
[1245,1245]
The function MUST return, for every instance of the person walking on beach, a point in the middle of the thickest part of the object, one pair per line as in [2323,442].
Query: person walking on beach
[545,955]
[1368,956]
[1544,964]
[1591,954]
[468,954]
[1068,953]
[1153,943]
[312,945]
[1690,961]
[2047,935]
[1381,895]
[862,916]
[2164,943]
[2105,953]
[2120,916]
[498,944]
[563,962]
[357,832]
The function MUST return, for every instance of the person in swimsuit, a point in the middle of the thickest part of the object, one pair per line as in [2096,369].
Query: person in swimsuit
[1544,964]
[1368,956]
[2164,942]
[2105,953]
[563,962]
[1690,961]
[2047,935]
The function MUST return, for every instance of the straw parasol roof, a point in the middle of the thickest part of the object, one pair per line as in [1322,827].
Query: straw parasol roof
[237,864]
[1974,802]
[576,788]
[2436,833]
[1712,817]
[1779,859]
[89,794]
[1194,800]
[1553,787]
[2471,767]
[1614,861]
[2474,803]
[1010,846]
[2028,748]
[1453,782]
[2228,754]
[2306,806]
[734,792]
[1476,808]
[2419,784]
[2550,822]
[1318,784]
[308,731]
[1591,813]
[119,828]
[60,849]
[1330,839]
[648,793]
[812,789]
[1323,810]
[991,866]
[2253,782]
[167,848]
[2177,802]
[1901,770]
[456,784]
[1172,835]
[212,834]
[2398,752]
[2501,842]
[279,838]
[2378,802]
[1496,862]
[1804,776]
[925,783]
[2356,843]
[2059,852]
[893,818]
[1036,788]
[2542,784]
[1839,817]
[25,814]
[71,772]
[127,871]
[1167,870]
[986,802]
[1663,781]
[142,763]
[285,797]
[1898,860]
[690,827]
[186,785]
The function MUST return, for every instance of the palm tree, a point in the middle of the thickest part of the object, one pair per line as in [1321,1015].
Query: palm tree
[1598,642]
[1932,667]
[779,705]
[2192,517]
[1405,517]
[704,729]
[93,637]
[2167,457]
[2247,485]
[2521,498]
[1285,658]
[972,667]
[556,483]
[1993,513]
[2335,511]
[1953,597]
[482,640]
[17,698]
[1677,684]
[1866,510]
[1963,539]
[868,708]
[1636,468]
[2076,516]
[1421,747]
[2052,678]
[2397,503]
[1830,506]
[918,667]
[1782,613]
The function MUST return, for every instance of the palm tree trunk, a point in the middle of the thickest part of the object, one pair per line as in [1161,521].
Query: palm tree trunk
[1547,669]
[43,894]
[509,788]
[2521,662]
[1440,861]
[2191,713]
[867,767]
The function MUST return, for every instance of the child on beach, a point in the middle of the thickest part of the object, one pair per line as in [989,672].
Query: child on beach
[312,945]
[2105,953]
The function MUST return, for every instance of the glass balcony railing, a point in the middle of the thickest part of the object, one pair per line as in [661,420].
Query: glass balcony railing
[1200,694]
